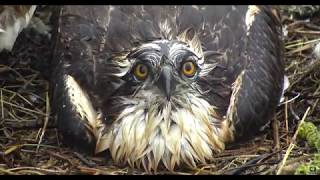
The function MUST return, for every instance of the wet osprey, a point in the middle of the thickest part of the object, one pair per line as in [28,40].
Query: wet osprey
[165,85]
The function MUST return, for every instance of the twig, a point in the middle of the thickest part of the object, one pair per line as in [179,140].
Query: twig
[15,71]
[308,32]
[85,161]
[286,121]
[275,125]
[306,71]
[302,43]
[38,169]
[2,110]
[103,171]
[299,49]
[30,172]
[315,104]
[19,107]
[7,171]
[46,119]
[14,147]
[292,145]
[28,82]
[291,165]
[252,163]
[87,170]
[23,98]
[229,157]
[60,157]
[293,113]
[312,26]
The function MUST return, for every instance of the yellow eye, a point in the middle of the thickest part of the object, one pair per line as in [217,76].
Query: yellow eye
[141,71]
[189,69]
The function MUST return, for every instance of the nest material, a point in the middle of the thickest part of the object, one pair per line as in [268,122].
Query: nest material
[29,143]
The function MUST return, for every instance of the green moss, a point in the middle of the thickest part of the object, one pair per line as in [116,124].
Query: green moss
[311,168]
[311,134]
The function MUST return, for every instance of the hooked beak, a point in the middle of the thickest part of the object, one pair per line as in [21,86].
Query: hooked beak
[166,82]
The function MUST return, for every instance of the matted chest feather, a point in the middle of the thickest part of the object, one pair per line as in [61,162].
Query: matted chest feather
[150,131]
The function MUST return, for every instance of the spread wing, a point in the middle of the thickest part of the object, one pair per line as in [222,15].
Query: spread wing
[241,42]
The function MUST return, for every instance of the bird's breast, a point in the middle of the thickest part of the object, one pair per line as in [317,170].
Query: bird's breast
[151,131]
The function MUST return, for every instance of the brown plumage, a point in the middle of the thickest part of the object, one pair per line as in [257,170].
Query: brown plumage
[167,119]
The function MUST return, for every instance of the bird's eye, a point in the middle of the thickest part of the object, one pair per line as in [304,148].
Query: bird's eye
[189,69]
[141,71]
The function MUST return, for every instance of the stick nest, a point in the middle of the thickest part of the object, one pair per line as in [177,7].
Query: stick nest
[28,136]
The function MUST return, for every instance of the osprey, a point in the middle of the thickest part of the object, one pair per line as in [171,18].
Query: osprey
[13,19]
[165,86]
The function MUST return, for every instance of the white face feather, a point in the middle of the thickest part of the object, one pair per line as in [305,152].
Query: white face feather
[172,136]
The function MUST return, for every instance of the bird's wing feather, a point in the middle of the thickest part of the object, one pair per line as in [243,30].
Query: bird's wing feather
[257,90]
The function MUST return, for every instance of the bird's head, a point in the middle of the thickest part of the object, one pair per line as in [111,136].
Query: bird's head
[158,111]
[164,68]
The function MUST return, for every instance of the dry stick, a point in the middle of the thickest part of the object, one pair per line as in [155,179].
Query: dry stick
[292,165]
[2,109]
[289,162]
[20,107]
[87,162]
[29,172]
[291,146]
[203,169]
[299,49]
[38,169]
[314,105]
[15,71]
[52,153]
[28,82]
[302,43]
[12,148]
[275,125]
[46,119]
[26,100]
[253,162]
[286,120]
[306,71]
[295,116]
[38,134]
[312,26]
[2,170]
[308,32]
[91,171]
[18,94]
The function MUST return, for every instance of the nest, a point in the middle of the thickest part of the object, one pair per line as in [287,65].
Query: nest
[29,143]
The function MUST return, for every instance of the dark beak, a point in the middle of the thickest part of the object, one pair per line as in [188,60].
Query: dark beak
[166,82]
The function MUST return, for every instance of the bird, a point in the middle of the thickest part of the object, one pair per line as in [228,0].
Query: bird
[13,19]
[162,87]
